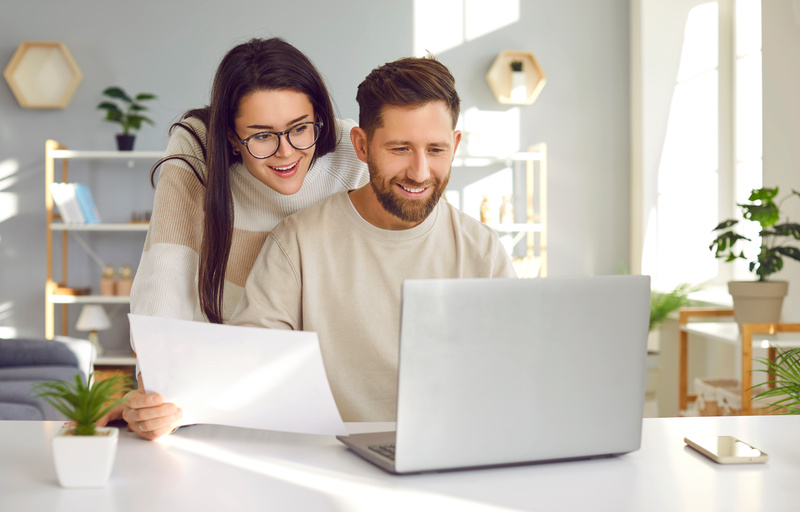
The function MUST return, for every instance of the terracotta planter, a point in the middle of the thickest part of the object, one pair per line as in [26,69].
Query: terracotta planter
[84,461]
[757,302]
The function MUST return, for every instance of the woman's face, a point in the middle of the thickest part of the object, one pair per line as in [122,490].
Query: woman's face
[275,111]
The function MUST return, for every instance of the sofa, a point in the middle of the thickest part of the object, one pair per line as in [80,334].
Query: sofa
[24,362]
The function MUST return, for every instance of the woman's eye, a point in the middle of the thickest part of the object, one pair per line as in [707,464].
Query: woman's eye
[261,137]
[300,129]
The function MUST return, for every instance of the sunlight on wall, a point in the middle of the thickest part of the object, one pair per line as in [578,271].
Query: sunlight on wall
[9,204]
[352,492]
[6,311]
[440,25]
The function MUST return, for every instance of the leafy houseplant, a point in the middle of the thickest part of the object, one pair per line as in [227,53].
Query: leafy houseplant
[126,111]
[84,454]
[760,301]
[773,235]
[785,372]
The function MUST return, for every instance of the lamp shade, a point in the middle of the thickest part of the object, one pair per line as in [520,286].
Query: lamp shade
[93,318]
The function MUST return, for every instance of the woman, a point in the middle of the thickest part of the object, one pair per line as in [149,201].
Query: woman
[267,146]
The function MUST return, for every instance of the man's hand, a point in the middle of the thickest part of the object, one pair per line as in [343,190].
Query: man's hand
[148,415]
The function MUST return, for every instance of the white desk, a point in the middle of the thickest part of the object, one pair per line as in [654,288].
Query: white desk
[220,468]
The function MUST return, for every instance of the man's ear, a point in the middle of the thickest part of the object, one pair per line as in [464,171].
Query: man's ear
[456,141]
[360,143]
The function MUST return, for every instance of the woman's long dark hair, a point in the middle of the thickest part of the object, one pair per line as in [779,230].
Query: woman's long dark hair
[257,65]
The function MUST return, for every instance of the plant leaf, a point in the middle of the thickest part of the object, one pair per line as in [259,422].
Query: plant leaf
[787,229]
[763,194]
[117,92]
[145,96]
[765,214]
[791,252]
[726,224]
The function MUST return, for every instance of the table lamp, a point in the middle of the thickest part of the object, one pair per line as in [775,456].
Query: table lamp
[93,318]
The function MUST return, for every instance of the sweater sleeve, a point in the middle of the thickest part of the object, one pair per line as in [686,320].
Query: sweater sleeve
[272,297]
[165,284]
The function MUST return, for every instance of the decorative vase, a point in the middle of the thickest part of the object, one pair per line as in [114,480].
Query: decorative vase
[84,461]
[757,301]
[125,142]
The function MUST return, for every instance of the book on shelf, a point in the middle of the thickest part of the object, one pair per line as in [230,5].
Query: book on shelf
[75,203]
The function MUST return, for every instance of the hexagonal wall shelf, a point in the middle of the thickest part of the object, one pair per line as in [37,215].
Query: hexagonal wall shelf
[42,74]
[501,82]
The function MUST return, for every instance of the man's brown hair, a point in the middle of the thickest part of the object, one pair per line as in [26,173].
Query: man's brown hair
[408,82]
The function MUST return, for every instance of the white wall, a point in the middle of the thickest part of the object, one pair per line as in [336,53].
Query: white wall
[781,69]
[172,49]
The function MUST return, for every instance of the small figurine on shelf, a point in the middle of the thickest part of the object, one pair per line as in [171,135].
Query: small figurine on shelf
[506,211]
[108,284]
[125,281]
[486,211]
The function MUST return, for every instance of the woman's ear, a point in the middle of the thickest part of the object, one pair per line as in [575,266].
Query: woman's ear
[360,143]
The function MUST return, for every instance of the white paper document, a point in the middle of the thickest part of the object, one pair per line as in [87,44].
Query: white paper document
[239,376]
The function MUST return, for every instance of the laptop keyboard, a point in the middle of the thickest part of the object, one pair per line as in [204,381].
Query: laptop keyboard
[387,450]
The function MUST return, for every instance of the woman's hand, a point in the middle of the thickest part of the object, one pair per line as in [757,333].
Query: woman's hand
[148,415]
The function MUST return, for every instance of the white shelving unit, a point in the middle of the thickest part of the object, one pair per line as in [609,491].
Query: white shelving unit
[534,229]
[53,152]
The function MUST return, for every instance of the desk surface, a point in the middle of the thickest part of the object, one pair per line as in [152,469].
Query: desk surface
[207,467]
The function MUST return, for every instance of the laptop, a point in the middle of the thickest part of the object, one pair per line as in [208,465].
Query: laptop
[499,372]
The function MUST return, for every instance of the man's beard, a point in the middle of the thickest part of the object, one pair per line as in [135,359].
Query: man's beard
[407,210]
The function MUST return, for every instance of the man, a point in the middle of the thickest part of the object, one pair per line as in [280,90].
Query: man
[337,267]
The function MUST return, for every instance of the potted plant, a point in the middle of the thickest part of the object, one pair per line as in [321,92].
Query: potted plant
[761,300]
[83,453]
[785,374]
[127,112]
[663,304]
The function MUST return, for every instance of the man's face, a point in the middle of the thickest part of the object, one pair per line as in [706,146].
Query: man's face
[409,160]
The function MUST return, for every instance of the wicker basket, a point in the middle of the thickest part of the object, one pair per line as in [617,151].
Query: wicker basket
[730,403]
[707,390]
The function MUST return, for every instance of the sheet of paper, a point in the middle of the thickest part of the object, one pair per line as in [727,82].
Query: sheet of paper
[239,376]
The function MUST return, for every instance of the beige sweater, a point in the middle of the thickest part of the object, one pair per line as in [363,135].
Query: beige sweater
[325,269]
[166,279]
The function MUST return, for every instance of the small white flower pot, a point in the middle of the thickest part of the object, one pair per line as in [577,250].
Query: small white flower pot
[84,461]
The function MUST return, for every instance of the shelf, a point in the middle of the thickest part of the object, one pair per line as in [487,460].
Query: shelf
[132,226]
[477,162]
[90,299]
[517,228]
[42,74]
[728,332]
[499,77]
[115,360]
[105,155]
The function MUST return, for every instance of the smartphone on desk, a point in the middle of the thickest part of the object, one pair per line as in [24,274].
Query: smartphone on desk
[726,449]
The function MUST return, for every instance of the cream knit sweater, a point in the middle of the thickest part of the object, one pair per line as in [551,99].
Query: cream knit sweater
[325,269]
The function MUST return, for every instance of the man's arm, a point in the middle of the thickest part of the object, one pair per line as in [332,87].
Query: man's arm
[272,295]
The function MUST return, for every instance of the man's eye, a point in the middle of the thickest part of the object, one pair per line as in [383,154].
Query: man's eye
[400,150]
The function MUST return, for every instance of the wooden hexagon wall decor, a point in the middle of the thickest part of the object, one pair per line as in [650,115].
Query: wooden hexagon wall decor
[42,74]
[505,86]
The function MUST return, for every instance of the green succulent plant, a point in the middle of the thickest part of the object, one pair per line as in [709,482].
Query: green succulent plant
[785,372]
[126,111]
[762,209]
[83,402]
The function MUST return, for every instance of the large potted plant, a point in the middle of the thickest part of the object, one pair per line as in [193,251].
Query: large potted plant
[83,454]
[127,112]
[761,300]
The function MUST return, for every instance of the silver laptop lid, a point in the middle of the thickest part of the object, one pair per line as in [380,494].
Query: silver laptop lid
[499,371]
